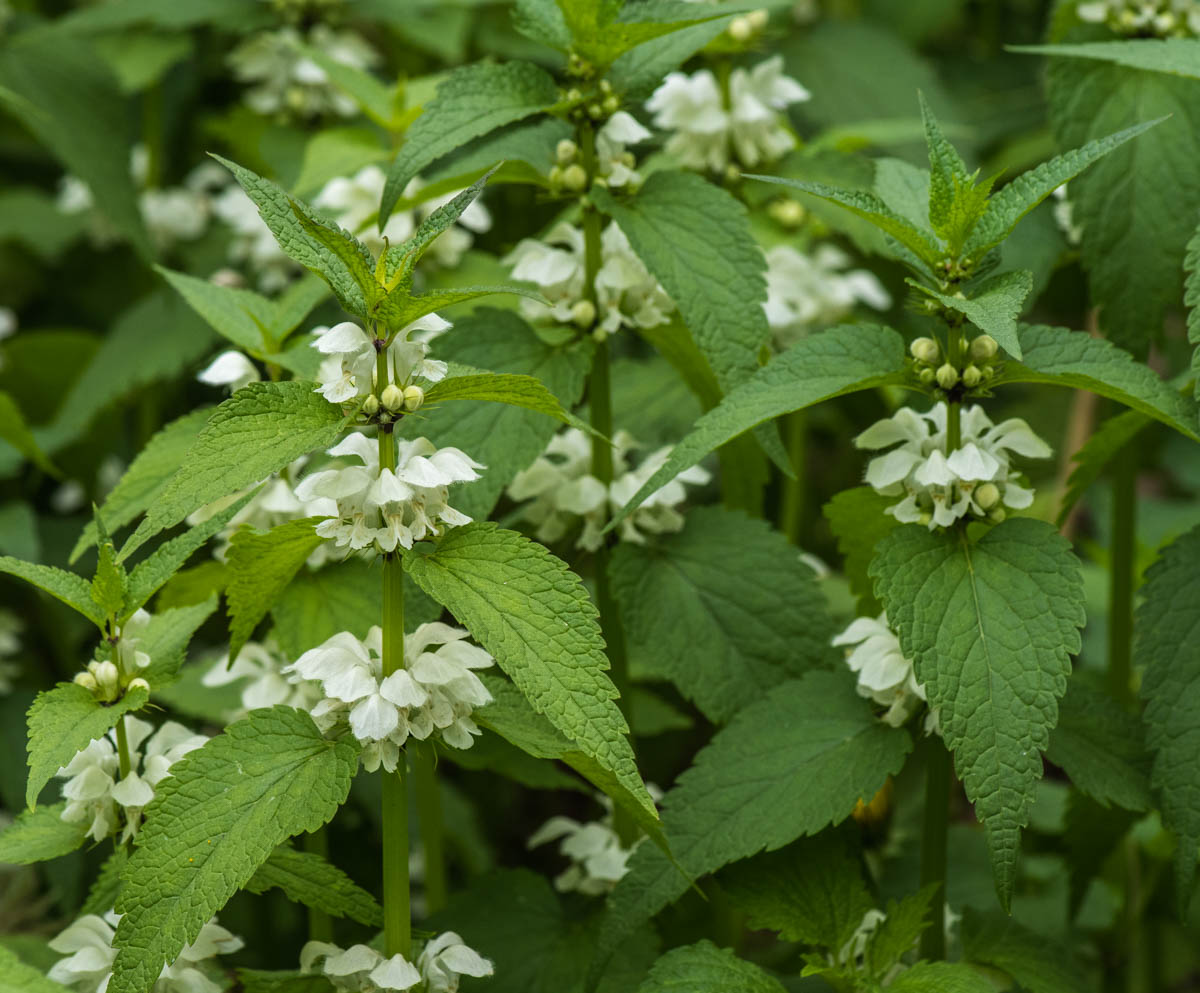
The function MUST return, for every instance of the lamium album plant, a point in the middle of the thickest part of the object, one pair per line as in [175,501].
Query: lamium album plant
[599,496]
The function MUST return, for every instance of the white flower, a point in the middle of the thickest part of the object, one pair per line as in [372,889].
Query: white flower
[349,371]
[709,131]
[90,954]
[598,861]
[261,666]
[436,690]
[938,489]
[1064,216]
[613,162]
[359,968]
[445,958]
[809,291]
[884,674]
[1163,18]
[231,368]
[95,788]
[8,322]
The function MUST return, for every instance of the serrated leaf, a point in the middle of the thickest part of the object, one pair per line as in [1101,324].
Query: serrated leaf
[533,615]
[261,565]
[786,766]
[902,926]
[858,522]
[165,639]
[1039,963]
[1075,359]
[110,584]
[543,22]
[213,822]
[637,72]
[15,432]
[470,102]
[841,360]
[518,391]
[941,977]
[308,879]
[812,891]
[401,309]
[1101,747]
[990,626]
[40,835]
[1166,648]
[1108,439]
[17,977]
[705,968]
[724,621]
[993,306]
[948,174]
[1191,299]
[241,316]
[102,895]
[257,431]
[1178,56]
[64,721]
[73,590]
[354,257]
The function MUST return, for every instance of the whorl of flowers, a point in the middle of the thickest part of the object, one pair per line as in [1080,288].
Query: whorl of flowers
[1154,18]
[259,668]
[361,969]
[937,487]
[884,674]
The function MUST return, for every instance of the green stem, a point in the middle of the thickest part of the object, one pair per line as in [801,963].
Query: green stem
[933,844]
[154,134]
[429,817]
[397,902]
[1121,575]
[320,926]
[791,513]
[123,748]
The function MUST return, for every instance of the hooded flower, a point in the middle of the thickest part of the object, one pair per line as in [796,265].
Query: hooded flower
[260,668]
[614,164]
[884,674]
[445,958]
[349,370]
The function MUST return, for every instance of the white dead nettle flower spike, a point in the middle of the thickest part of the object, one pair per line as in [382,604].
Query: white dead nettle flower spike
[95,788]
[939,488]
[613,162]
[884,674]
[809,291]
[1164,18]
[361,969]
[626,294]
[90,954]
[261,666]
[437,689]
[712,129]
[562,491]
[349,370]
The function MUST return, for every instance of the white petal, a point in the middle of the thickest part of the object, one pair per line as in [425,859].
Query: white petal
[396,973]
[373,718]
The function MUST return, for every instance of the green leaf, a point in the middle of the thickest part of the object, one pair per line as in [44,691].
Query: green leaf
[110,586]
[535,618]
[812,891]
[637,72]
[308,879]
[257,431]
[64,721]
[1075,359]
[40,835]
[899,931]
[470,102]
[842,360]
[496,754]
[695,239]
[1133,241]
[166,637]
[15,432]
[213,822]
[146,476]
[69,99]
[543,22]
[261,565]
[1167,649]
[789,765]
[948,176]
[518,391]
[1178,56]
[351,255]
[1038,962]
[1090,834]
[73,590]
[724,621]
[1108,439]
[242,316]
[1191,299]
[17,977]
[993,307]
[705,968]
[990,626]
[940,977]
[401,308]
[1018,198]
[1101,747]
[858,522]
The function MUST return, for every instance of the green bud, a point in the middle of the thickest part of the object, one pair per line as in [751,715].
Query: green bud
[740,29]
[732,173]
[573,95]
[971,376]
[583,313]
[108,679]
[414,396]
[925,350]
[947,376]
[575,178]
[983,348]
[565,151]
[556,176]
[595,111]
[605,87]
[788,212]
[997,515]
[393,397]
[371,405]
[926,375]
[139,684]
[87,681]
[987,495]
[758,19]
[612,103]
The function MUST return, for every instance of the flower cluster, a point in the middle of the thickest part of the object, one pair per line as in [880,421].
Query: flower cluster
[598,860]
[884,674]
[119,669]
[436,690]
[349,369]
[361,969]
[259,667]
[626,294]
[615,165]
[807,291]
[1158,18]
[90,954]
[939,488]
[282,80]
[710,130]
[95,788]
[562,491]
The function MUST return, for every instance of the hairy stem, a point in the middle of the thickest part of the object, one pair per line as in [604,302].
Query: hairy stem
[791,511]
[123,748]
[1121,576]
[320,926]
[429,818]
[933,843]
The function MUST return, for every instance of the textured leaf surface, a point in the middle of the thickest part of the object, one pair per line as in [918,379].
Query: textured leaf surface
[308,879]
[1040,963]
[40,835]
[858,522]
[1075,359]
[842,360]
[65,720]
[1191,297]
[990,626]
[73,590]
[17,977]
[470,102]
[166,637]
[256,432]
[1167,645]
[705,968]
[534,616]
[1178,56]
[899,931]
[213,822]
[518,391]
[102,895]
[941,977]
[1099,450]
[723,620]
[994,307]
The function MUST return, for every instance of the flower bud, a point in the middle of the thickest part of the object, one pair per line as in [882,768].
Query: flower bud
[987,495]
[565,151]
[414,396]
[138,684]
[612,103]
[575,178]
[758,19]
[983,348]
[108,679]
[595,111]
[788,212]
[573,95]
[925,350]
[732,173]
[947,376]
[971,376]
[583,313]
[371,405]
[392,397]
[997,515]
[926,375]
[87,681]
[740,29]
[556,176]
